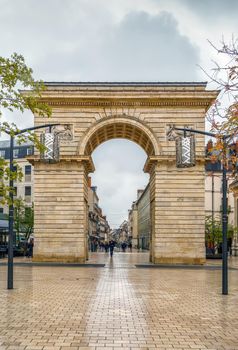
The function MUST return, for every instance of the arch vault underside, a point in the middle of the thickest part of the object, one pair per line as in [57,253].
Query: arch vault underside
[140,112]
[119,127]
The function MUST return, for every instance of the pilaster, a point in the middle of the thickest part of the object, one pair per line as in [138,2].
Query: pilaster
[60,211]
[178,234]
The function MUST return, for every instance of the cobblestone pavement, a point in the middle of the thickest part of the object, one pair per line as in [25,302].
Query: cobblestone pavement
[118,307]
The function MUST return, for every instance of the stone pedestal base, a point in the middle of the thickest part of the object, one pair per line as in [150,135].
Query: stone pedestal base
[58,258]
[180,261]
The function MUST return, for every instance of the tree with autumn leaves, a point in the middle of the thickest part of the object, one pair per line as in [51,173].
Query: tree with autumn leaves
[223,118]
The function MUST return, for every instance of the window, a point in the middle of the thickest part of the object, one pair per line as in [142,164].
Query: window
[15,153]
[28,191]
[29,151]
[1,210]
[27,169]
[2,153]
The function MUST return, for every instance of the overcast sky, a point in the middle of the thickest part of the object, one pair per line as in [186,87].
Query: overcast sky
[116,40]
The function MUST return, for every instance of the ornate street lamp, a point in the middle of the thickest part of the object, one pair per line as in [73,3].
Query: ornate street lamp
[50,151]
[185,151]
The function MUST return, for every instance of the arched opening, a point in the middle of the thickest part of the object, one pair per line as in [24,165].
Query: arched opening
[119,151]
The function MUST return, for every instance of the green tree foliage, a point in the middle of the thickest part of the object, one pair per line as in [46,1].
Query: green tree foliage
[16,76]
[23,219]
[213,232]
[5,175]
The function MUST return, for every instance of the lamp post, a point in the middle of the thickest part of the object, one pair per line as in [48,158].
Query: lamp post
[187,158]
[213,208]
[11,206]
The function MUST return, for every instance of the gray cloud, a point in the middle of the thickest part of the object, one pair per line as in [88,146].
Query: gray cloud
[145,47]
[80,40]
[213,9]
[141,47]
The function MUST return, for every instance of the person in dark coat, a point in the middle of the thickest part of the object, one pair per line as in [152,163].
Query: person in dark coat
[30,248]
[111,247]
[130,246]
[123,245]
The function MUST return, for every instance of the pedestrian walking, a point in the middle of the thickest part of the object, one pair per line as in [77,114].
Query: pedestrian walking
[101,246]
[123,245]
[30,247]
[111,247]
[130,246]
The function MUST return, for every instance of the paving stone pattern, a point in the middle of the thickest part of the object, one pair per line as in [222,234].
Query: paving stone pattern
[117,307]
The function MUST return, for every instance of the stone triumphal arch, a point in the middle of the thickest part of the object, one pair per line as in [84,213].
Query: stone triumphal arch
[140,112]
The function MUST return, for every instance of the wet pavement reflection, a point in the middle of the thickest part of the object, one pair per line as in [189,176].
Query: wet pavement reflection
[118,307]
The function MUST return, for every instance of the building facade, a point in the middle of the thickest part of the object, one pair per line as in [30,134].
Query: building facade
[98,227]
[133,225]
[123,232]
[213,185]
[213,196]
[24,189]
[139,220]
[144,219]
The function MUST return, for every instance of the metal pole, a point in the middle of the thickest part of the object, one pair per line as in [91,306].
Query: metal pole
[224,232]
[213,210]
[22,131]
[11,219]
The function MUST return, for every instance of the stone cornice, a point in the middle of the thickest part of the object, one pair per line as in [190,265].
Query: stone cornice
[153,161]
[131,96]
[86,160]
[124,84]
[133,103]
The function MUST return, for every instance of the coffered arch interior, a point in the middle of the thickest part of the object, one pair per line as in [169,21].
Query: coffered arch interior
[123,130]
